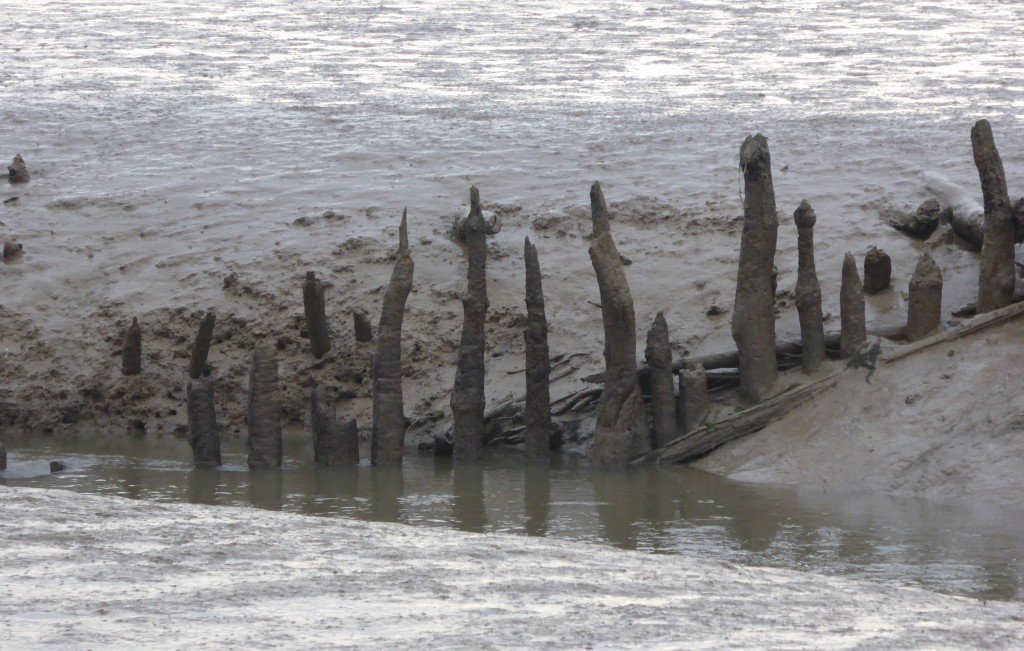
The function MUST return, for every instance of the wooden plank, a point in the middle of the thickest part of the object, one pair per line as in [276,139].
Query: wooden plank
[748,421]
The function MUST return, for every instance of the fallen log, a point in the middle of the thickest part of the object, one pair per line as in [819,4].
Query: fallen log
[977,324]
[705,439]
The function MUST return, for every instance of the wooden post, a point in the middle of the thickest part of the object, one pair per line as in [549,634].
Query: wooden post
[131,351]
[622,432]
[753,317]
[924,309]
[202,423]
[468,401]
[997,276]
[264,416]
[387,442]
[537,414]
[851,309]
[201,347]
[316,315]
[808,292]
[335,443]
[663,394]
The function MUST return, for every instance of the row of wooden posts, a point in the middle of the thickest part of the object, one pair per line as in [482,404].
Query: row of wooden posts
[624,429]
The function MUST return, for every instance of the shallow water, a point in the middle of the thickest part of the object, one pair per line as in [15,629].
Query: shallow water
[956,549]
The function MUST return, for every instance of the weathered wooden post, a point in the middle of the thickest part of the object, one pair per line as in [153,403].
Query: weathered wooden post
[877,271]
[537,414]
[361,326]
[853,329]
[3,456]
[694,402]
[316,315]
[202,423]
[17,171]
[335,443]
[622,431]
[388,439]
[808,292]
[663,391]
[997,276]
[264,416]
[131,351]
[201,347]
[468,401]
[924,309]
[753,317]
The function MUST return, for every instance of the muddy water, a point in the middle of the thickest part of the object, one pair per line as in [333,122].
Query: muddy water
[956,549]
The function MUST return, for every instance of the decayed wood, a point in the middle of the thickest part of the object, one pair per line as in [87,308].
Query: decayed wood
[663,391]
[753,316]
[264,416]
[977,324]
[131,351]
[996,278]
[622,430]
[707,438]
[316,316]
[335,442]
[201,347]
[387,441]
[467,399]
[202,423]
[537,413]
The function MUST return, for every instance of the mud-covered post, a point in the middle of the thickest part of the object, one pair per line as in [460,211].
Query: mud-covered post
[316,315]
[537,414]
[131,351]
[599,212]
[853,329]
[264,416]
[808,292]
[3,456]
[202,423]
[17,171]
[663,391]
[388,439]
[753,317]
[997,276]
[335,443]
[622,432]
[924,309]
[467,401]
[877,271]
[361,326]
[201,347]
[694,402]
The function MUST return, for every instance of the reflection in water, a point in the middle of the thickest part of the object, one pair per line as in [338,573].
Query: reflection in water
[388,484]
[202,485]
[468,493]
[266,489]
[956,549]
[537,498]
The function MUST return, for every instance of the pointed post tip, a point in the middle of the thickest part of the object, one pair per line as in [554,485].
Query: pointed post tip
[403,232]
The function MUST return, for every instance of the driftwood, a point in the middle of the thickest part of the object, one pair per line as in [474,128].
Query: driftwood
[387,441]
[197,366]
[707,438]
[977,324]
[537,413]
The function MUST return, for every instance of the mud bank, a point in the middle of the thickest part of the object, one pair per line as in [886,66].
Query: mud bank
[84,571]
